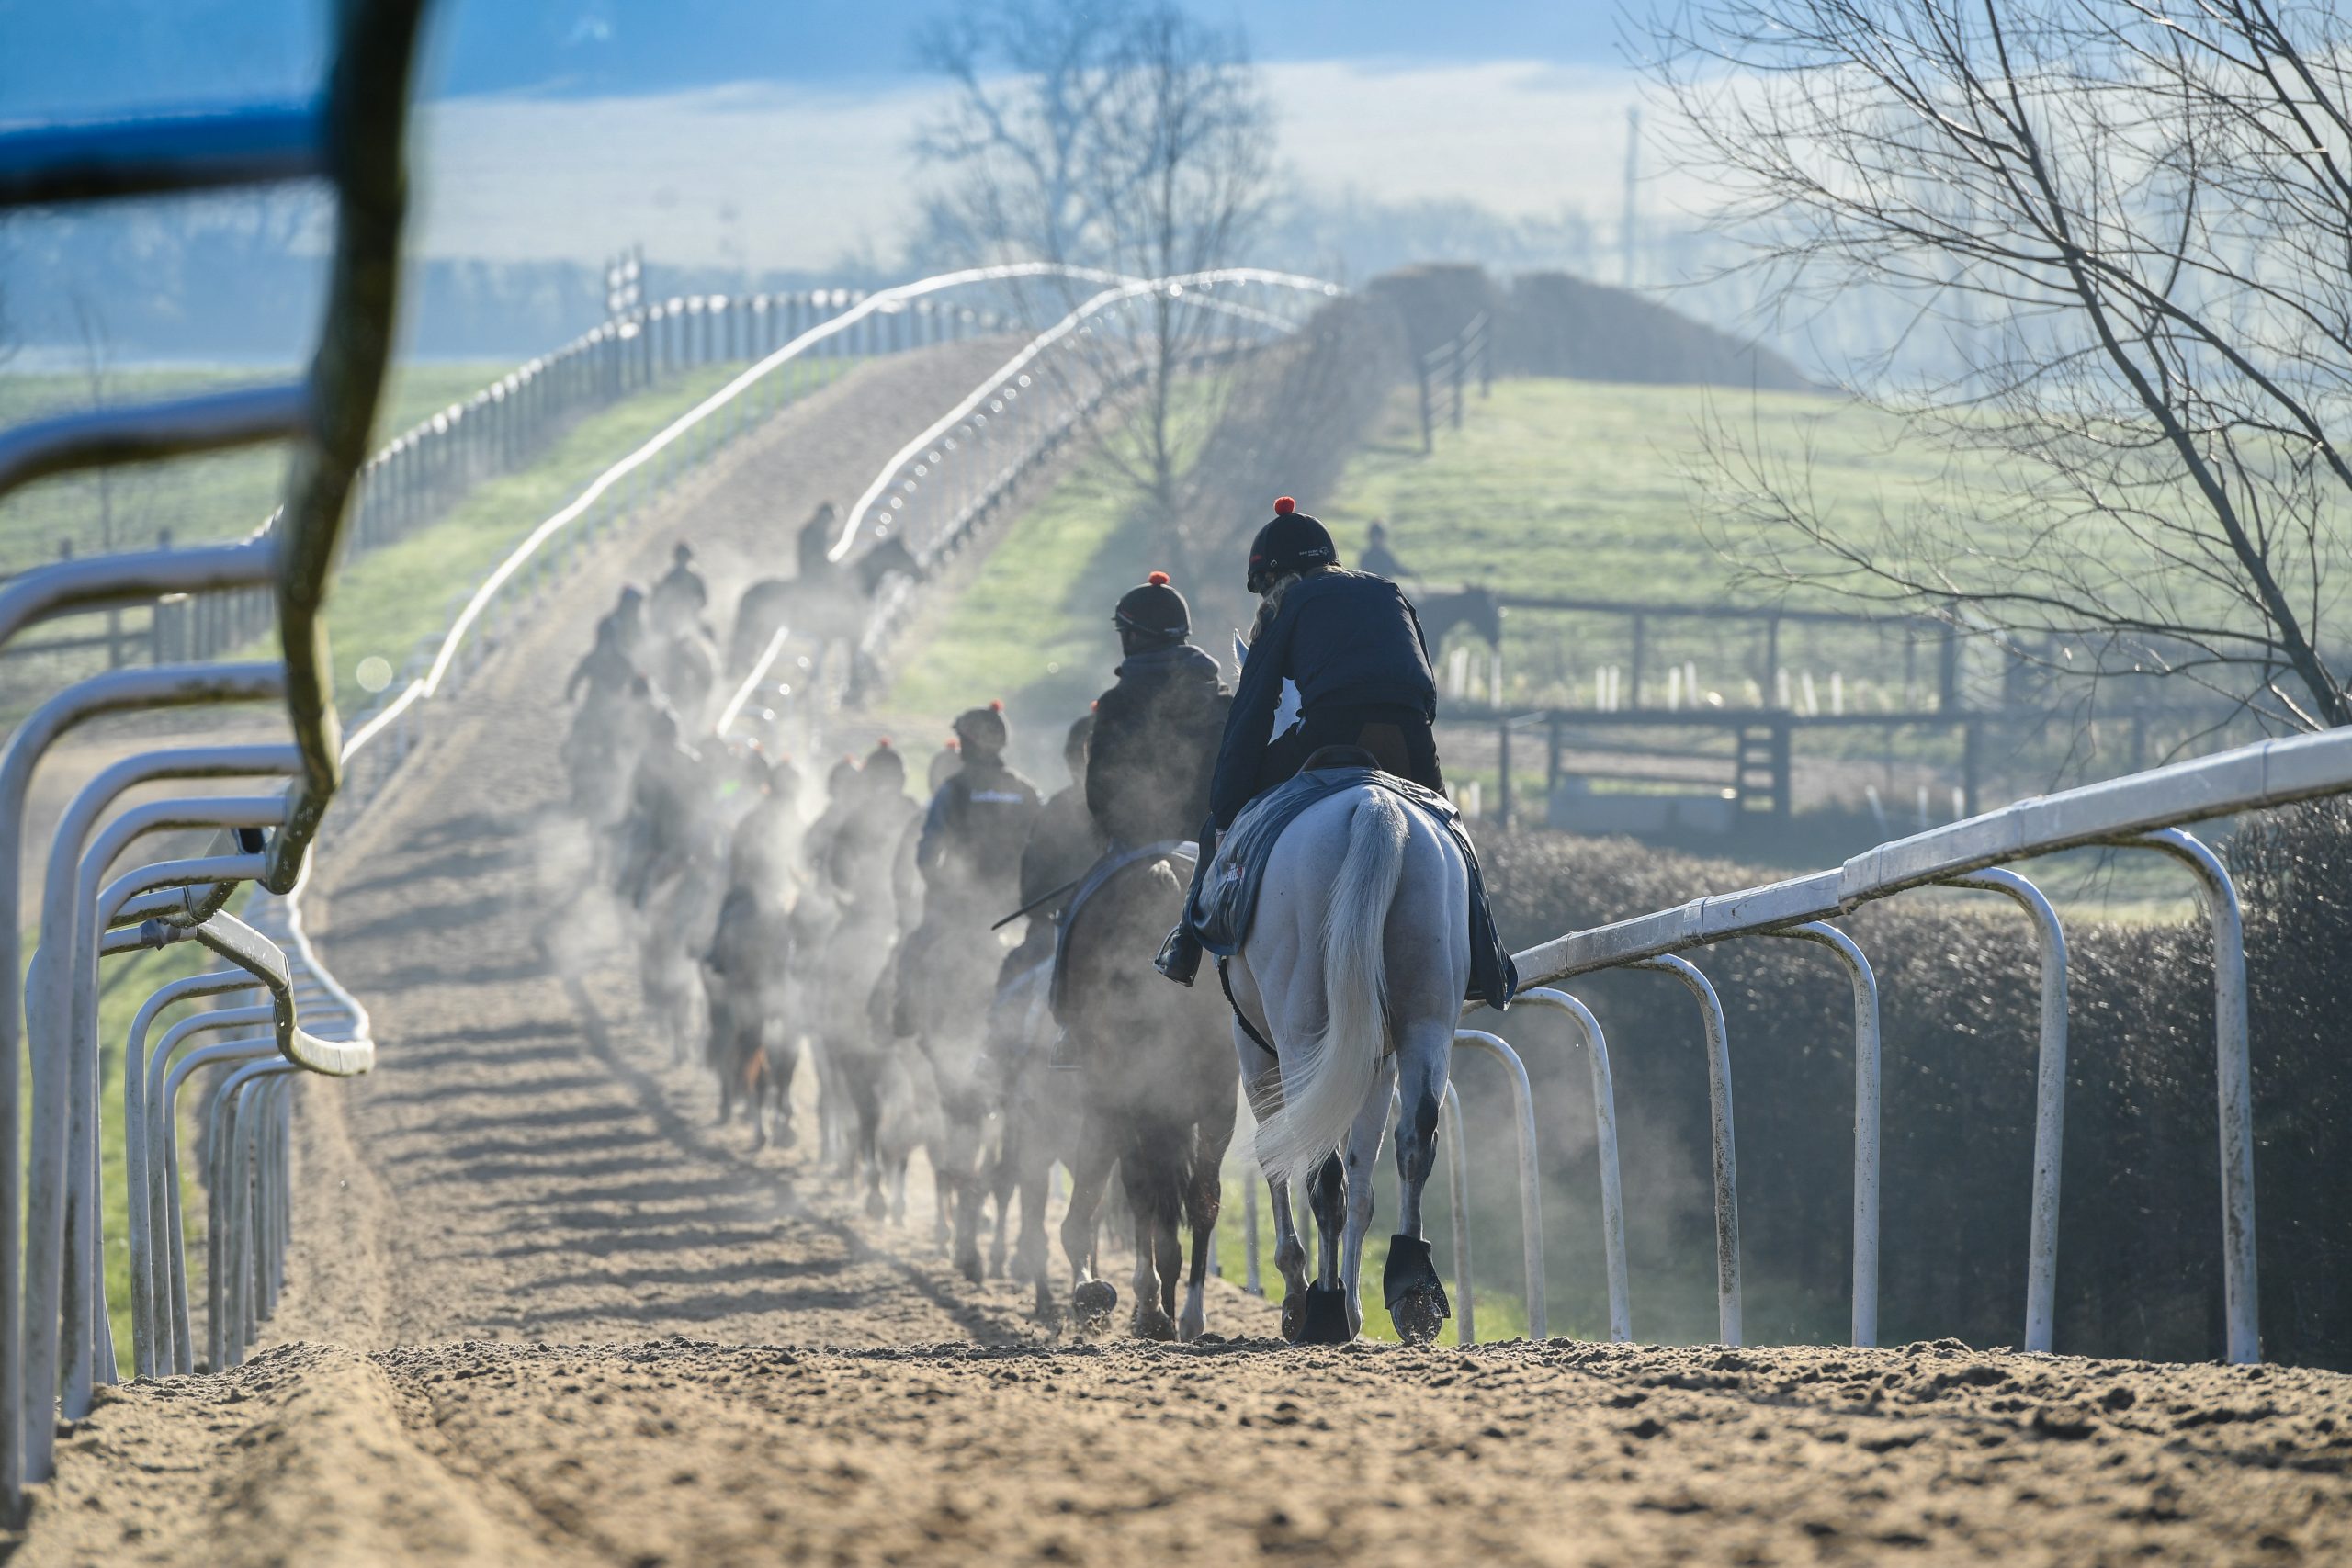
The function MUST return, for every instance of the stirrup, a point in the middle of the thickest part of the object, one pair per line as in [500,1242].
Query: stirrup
[1062,1056]
[1180,956]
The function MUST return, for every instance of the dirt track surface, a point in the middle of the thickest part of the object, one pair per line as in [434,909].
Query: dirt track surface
[542,1312]
[685,1453]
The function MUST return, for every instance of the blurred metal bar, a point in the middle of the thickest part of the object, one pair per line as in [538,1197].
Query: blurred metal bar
[155,154]
[144,432]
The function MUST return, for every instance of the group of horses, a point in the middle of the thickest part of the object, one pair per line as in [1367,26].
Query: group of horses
[772,921]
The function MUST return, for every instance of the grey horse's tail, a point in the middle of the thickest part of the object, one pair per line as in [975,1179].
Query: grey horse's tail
[1324,1084]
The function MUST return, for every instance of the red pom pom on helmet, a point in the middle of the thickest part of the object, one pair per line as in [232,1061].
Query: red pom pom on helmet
[997,706]
[953,744]
[883,744]
[1157,580]
[1284,506]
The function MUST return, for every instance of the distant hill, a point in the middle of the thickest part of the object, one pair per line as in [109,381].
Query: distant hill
[1548,324]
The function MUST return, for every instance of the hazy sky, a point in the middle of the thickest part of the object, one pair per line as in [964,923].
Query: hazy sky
[773,134]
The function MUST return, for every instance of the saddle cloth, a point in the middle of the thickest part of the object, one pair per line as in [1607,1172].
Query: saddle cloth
[1114,861]
[1226,900]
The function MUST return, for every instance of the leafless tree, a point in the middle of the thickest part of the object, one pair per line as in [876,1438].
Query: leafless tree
[2125,228]
[1121,135]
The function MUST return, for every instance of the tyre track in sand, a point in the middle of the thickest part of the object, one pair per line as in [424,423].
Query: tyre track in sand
[540,1312]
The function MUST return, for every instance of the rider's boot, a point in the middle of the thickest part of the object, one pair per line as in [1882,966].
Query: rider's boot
[1180,955]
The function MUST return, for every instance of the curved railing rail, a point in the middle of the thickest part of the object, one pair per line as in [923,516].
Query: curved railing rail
[55,1343]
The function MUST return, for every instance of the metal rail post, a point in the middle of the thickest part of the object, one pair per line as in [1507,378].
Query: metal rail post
[141,1083]
[1726,1164]
[62,1016]
[1457,1187]
[1867,1101]
[2049,1099]
[172,1277]
[1531,1186]
[2234,1083]
[1604,1117]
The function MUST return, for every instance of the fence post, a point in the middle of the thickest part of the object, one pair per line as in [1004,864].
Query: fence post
[1429,430]
[1502,791]
[1728,1311]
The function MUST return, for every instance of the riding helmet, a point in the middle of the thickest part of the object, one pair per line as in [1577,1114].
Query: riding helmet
[1154,610]
[982,729]
[1293,542]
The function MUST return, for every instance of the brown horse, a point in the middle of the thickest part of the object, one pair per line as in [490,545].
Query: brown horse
[1159,1089]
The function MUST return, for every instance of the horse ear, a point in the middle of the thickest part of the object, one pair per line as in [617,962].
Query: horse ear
[1240,651]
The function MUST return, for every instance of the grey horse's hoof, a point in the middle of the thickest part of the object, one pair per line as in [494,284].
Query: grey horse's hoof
[1148,1322]
[1323,1320]
[1091,1306]
[1416,1300]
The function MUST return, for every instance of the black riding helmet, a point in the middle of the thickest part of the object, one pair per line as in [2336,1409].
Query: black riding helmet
[1292,542]
[1155,610]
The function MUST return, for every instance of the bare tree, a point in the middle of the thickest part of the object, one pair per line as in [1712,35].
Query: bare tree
[1123,136]
[2124,228]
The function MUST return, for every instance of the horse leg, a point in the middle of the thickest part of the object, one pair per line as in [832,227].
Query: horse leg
[781,1051]
[1091,1300]
[1262,1078]
[1203,1200]
[1152,1171]
[1416,1301]
[1362,1151]
[1325,1318]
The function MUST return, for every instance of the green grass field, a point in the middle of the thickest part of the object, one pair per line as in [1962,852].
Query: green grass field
[199,500]
[1555,487]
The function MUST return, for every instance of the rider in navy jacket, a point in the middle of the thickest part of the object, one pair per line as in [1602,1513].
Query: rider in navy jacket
[1351,644]
[1156,731]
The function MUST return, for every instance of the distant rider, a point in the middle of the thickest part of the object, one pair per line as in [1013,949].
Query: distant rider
[1156,731]
[1378,558]
[1351,644]
[680,597]
[969,856]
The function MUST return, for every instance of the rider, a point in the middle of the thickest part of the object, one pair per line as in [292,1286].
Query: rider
[1063,842]
[680,595]
[760,852]
[970,853]
[1352,644]
[1156,732]
[1378,558]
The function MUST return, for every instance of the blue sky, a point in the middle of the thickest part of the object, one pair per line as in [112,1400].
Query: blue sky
[778,133]
[65,57]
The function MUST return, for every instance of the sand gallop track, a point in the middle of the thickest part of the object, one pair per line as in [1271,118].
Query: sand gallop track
[541,1312]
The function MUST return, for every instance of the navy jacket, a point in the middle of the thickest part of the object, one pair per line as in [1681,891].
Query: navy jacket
[974,833]
[1156,737]
[1347,639]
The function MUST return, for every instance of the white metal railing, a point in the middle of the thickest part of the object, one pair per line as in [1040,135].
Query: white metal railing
[2142,811]
[949,478]
[55,1342]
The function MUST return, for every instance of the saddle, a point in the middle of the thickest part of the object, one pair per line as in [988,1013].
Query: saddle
[1224,902]
[1099,876]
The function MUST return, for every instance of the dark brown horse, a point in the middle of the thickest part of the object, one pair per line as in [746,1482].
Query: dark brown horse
[1159,1086]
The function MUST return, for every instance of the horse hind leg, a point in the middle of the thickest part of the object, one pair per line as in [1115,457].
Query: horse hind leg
[1152,1173]
[1091,1300]
[1415,1296]
[1361,1152]
[1325,1321]
[1204,1201]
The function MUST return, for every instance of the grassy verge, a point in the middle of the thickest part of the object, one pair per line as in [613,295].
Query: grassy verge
[386,601]
[198,500]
